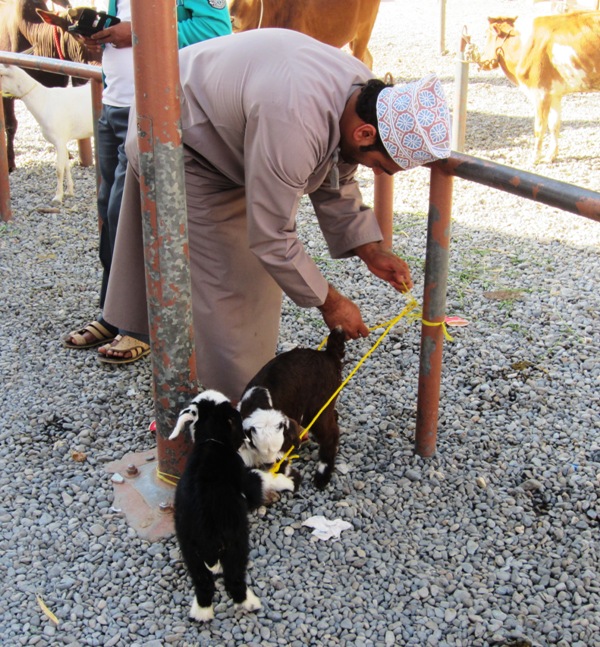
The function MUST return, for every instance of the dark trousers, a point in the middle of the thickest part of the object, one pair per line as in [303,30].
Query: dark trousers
[112,131]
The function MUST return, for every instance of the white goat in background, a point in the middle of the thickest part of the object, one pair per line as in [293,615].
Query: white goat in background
[63,114]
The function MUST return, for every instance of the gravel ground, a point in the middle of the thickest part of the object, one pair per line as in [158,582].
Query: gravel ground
[493,541]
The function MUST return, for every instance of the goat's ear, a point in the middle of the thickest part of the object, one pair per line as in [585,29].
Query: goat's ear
[292,437]
[249,433]
[184,418]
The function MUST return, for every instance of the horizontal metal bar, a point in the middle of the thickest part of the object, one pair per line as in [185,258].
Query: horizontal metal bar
[68,68]
[538,188]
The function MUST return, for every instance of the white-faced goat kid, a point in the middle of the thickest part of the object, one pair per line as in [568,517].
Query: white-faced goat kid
[63,114]
[295,386]
[268,433]
[212,500]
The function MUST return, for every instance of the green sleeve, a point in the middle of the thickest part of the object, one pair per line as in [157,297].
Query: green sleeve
[201,19]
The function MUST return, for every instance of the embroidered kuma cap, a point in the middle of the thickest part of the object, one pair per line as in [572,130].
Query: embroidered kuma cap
[414,122]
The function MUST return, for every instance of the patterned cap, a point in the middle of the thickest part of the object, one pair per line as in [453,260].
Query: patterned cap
[414,122]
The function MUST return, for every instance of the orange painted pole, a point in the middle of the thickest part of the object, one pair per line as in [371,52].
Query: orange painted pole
[5,209]
[434,310]
[97,112]
[84,147]
[164,218]
[383,206]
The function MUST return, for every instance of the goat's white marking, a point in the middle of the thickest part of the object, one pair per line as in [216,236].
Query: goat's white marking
[214,396]
[251,603]
[216,569]
[187,415]
[322,468]
[190,413]
[201,614]
[275,482]
[250,393]
[266,427]
[249,454]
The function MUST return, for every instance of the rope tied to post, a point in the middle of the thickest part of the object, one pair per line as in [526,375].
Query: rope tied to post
[413,312]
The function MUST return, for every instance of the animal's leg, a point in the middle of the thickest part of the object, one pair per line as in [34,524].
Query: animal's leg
[554,121]
[327,434]
[276,482]
[251,603]
[361,52]
[363,34]
[200,613]
[234,576]
[541,101]
[234,562]
[204,588]
[10,124]
[291,473]
[62,164]
[69,178]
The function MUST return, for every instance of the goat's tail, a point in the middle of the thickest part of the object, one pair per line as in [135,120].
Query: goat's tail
[335,343]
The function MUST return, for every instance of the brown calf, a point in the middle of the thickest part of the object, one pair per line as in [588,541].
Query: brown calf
[553,56]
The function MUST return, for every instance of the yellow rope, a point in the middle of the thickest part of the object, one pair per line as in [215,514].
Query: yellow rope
[413,313]
[171,479]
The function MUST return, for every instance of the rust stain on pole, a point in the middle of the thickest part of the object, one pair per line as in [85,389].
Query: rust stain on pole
[434,310]
[538,188]
[97,112]
[5,210]
[165,222]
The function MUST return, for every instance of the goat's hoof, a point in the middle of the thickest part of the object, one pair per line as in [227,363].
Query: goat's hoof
[201,614]
[296,478]
[271,497]
[251,603]
[322,476]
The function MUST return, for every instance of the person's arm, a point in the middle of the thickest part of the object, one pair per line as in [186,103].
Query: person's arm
[351,228]
[280,156]
[199,20]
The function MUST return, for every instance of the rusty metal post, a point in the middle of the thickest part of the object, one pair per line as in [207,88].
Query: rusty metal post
[434,310]
[5,210]
[97,112]
[164,218]
[84,146]
[97,87]
[383,206]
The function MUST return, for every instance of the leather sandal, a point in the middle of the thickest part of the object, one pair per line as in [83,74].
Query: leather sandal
[76,339]
[123,344]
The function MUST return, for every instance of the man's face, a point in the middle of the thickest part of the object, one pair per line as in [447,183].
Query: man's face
[380,162]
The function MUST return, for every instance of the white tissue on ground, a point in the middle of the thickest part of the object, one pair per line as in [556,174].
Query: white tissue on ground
[326,528]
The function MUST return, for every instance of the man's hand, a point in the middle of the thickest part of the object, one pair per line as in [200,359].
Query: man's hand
[119,35]
[338,310]
[386,265]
